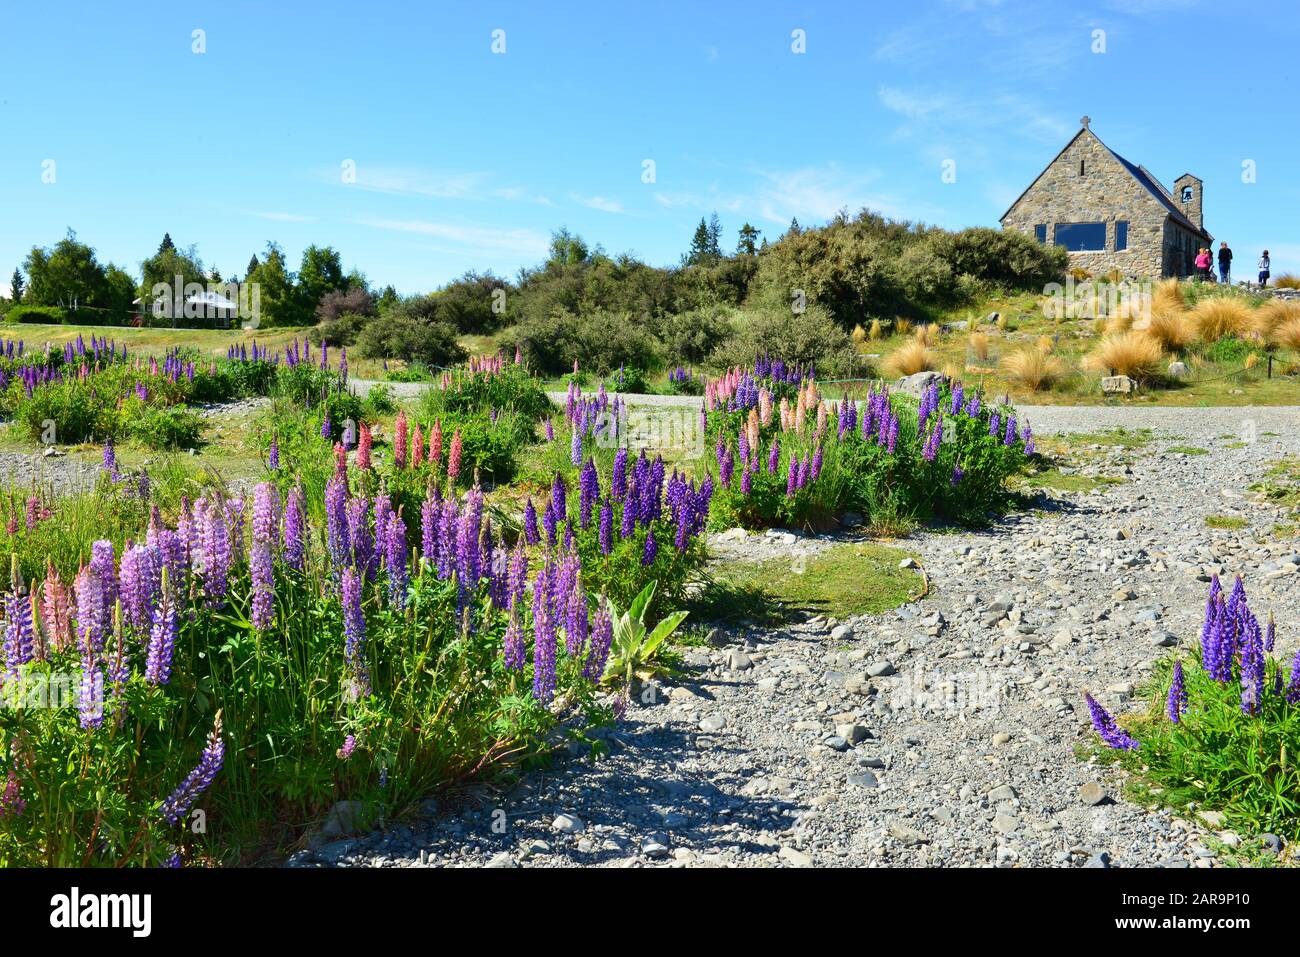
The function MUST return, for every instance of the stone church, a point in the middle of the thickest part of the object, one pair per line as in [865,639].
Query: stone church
[1112,214]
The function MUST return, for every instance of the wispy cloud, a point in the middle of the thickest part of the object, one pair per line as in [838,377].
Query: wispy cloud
[600,203]
[278,217]
[484,239]
[414,181]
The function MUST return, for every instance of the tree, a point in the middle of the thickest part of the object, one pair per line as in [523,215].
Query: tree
[68,275]
[700,246]
[568,249]
[16,286]
[214,275]
[166,243]
[748,244]
[715,236]
[121,291]
[280,302]
[162,268]
[387,299]
[321,272]
[794,229]
[252,264]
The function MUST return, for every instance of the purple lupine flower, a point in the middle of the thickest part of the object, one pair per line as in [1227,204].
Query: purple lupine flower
[531,533]
[1293,685]
[217,556]
[628,524]
[178,804]
[518,575]
[1111,734]
[589,492]
[575,446]
[101,559]
[602,636]
[995,423]
[973,406]
[618,481]
[726,467]
[558,490]
[1010,437]
[543,649]
[1270,634]
[576,622]
[395,559]
[262,575]
[957,474]
[606,527]
[651,549]
[273,457]
[1252,669]
[90,694]
[956,398]
[512,646]
[360,535]
[19,644]
[549,523]
[295,528]
[326,427]
[354,632]
[893,433]
[92,623]
[109,462]
[1176,703]
[774,456]
[140,580]
[348,749]
[336,522]
[266,515]
[792,477]
[163,630]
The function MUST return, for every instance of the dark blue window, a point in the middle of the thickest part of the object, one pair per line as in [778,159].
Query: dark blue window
[1121,235]
[1081,237]
[1040,233]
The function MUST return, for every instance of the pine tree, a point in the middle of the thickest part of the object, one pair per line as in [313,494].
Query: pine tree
[699,251]
[715,236]
[16,286]
[748,244]
[166,243]
[795,229]
[252,264]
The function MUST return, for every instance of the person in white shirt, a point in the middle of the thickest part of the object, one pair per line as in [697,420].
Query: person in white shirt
[1263,269]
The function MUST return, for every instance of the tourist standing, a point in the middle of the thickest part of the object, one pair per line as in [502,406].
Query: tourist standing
[1263,269]
[1203,265]
[1225,263]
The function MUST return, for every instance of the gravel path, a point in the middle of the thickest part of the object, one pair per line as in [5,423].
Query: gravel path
[942,733]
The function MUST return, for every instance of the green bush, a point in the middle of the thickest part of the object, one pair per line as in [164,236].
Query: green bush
[395,335]
[48,315]
[599,341]
[812,337]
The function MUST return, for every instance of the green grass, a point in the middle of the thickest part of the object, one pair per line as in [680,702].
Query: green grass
[1118,438]
[1053,478]
[1186,450]
[853,578]
[1226,521]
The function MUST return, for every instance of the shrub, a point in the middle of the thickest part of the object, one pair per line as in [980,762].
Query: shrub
[1134,354]
[396,335]
[1033,368]
[164,427]
[49,315]
[1171,329]
[810,338]
[596,340]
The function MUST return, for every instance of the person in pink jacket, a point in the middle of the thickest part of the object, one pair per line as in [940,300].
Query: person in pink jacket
[1203,262]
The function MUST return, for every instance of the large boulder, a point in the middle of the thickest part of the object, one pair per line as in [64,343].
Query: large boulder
[917,383]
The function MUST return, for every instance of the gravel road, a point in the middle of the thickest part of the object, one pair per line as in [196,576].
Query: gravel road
[942,733]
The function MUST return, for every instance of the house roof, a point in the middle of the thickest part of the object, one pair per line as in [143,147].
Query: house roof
[1139,173]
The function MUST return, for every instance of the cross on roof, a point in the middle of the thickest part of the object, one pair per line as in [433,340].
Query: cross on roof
[1085,121]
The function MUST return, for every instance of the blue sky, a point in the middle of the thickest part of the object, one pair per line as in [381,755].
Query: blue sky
[466,158]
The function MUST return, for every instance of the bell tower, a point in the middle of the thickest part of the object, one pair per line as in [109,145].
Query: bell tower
[1187,192]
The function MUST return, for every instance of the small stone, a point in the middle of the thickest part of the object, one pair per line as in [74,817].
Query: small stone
[905,834]
[1001,738]
[1101,860]
[503,859]
[1092,794]
[1271,843]
[882,669]
[568,824]
[863,779]
[1003,792]
[713,723]
[794,857]
[737,660]
[908,562]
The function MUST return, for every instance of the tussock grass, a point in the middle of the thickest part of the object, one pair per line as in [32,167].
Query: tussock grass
[1119,323]
[1287,335]
[979,345]
[1171,329]
[1134,354]
[927,335]
[876,331]
[1046,344]
[1033,369]
[910,358]
[1273,314]
[1220,317]
[1287,281]
[1167,296]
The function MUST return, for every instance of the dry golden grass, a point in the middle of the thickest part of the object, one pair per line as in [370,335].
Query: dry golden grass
[1168,296]
[1002,323]
[1287,280]
[875,331]
[1272,315]
[1252,360]
[979,345]
[1117,324]
[1046,344]
[1171,329]
[1033,369]
[1134,354]
[903,327]
[910,358]
[1215,319]
[859,335]
[1135,308]
[1287,335]
[927,335]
